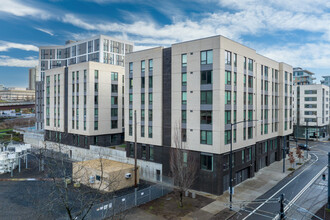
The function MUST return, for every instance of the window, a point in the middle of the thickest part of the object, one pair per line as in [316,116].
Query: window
[96,125]
[114,112]
[250,132]
[206,77]
[250,82]
[227,97]
[228,117]
[310,98]
[250,65]
[144,151]
[96,87]
[235,79]
[235,119]
[244,63]
[130,130]
[114,124]
[184,78]
[244,133]
[244,80]
[243,155]
[151,65]
[150,131]
[151,153]
[184,116]
[234,138]
[130,98]
[114,76]
[250,115]
[114,100]
[206,97]
[235,60]
[310,91]
[150,114]
[184,135]
[130,113]
[184,98]
[150,82]
[143,65]
[206,117]
[130,83]
[183,60]
[114,88]
[142,98]
[142,130]
[207,57]
[227,137]
[266,129]
[227,58]
[96,112]
[206,137]
[130,67]
[150,98]
[227,77]
[235,97]
[250,98]
[142,82]
[96,100]
[206,162]
[96,74]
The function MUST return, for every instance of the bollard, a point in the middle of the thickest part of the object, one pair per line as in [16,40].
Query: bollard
[186,193]
[193,195]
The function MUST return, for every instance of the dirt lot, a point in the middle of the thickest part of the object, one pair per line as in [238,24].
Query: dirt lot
[168,206]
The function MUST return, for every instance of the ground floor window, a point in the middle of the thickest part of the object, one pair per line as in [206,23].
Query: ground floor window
[207,162]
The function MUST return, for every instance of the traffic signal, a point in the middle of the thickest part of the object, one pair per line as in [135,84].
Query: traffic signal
[323,176]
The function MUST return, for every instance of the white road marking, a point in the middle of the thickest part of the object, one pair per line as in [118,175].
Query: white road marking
[251,213]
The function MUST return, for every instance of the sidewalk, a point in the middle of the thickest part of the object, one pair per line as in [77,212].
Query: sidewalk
[249,190]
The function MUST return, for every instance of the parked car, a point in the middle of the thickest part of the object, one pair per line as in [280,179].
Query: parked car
[303,146]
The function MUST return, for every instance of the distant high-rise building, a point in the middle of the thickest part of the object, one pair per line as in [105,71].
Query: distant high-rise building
[302,76]
[32,78]
[326,80]
[101,48]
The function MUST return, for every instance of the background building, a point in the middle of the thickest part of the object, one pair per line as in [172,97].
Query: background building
[311,104]
[193,91]
[32,78]
[326,80]
[302,76]
[17,94]
[100,48]
[84,104]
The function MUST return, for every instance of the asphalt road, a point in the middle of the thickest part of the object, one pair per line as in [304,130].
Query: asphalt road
[267,206]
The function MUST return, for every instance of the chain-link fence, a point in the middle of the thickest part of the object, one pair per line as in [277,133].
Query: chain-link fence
[120,204]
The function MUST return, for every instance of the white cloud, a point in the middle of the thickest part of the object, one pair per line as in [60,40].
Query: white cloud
[45,31]
[15,62]
[17,8]
[5,46]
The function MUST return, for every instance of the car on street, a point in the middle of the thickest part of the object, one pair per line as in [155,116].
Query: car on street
[303,146]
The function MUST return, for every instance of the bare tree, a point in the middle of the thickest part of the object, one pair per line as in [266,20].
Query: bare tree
[291,159]
[182,163]
[299,154]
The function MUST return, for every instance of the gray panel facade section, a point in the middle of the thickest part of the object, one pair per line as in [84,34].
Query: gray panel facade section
[66,88]
[39,104]
[167,88]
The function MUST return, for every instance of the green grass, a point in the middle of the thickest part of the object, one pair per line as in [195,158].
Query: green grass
[122,146]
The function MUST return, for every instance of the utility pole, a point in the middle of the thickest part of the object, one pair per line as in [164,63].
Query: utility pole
[307,133]
[135,152]
[231,169]
[283,157]
[328,180]
[282,214]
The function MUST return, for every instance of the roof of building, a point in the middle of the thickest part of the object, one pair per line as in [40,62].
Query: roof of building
[105,164]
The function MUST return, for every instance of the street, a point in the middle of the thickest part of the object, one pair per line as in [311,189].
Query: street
[297,188]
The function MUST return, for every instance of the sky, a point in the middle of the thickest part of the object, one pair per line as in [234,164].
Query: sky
[296,32]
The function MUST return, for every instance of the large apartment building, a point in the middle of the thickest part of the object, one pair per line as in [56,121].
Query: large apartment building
[197,89]
[84,104]
[311,111]
[302,76]
[101,48]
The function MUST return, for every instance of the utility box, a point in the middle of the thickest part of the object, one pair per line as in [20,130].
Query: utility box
[103,174]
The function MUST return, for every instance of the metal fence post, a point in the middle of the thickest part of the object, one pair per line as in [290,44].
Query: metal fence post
[135,193]
[149,193]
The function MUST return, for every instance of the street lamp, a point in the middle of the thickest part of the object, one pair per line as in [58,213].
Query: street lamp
[231,161]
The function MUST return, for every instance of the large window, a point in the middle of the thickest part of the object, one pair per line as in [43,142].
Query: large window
[206,97]
[142,114]
[250,64]
[184,78]
[227,57]
[250,82]
[114,112]
[151,65]
[130,67]
[143,65]
[227,137]
[250,132]
[206,117]
[207,57]
[310,98]
[206,77]
[150,114]
[150,131]
[150,98]
[228,117]
[150,82]
[227,97]
[227,77]
[184,98]
[114,76]
[206,137]
[184,116]
[250,115]
[184,60]
[250,99]
[142,98]
[143,82]
[206,162]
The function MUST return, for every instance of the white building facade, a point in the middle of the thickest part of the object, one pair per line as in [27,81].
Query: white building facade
[197,89]
[311,111]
